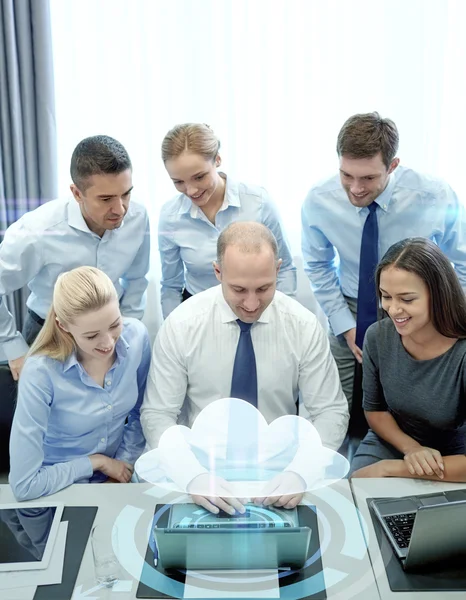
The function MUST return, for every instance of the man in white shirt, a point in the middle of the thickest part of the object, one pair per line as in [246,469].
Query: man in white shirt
[196,351]
[98,227]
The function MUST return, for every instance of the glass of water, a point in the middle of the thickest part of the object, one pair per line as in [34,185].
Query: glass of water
[107,568]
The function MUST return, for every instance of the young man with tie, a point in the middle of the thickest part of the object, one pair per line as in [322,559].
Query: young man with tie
[343,241]
[244,339]
[98,227]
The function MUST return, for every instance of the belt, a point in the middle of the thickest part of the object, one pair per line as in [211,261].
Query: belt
[186,294]
[35,317]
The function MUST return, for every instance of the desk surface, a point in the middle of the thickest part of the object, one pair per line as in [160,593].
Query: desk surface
[373,488]
[347,570]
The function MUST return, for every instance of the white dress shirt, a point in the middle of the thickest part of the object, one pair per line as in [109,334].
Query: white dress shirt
[188,240]
[53,239]
[193,359]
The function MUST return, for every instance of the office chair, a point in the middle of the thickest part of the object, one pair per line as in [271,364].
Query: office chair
[8,390]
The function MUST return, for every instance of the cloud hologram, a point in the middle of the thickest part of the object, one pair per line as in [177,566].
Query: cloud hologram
[230,440]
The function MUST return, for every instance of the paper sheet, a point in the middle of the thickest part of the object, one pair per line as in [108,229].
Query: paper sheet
[232,584]
[22,593]
[10,580]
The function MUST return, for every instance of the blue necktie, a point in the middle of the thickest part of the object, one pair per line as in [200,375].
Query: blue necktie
[244,387]
[367,295]
[244,379]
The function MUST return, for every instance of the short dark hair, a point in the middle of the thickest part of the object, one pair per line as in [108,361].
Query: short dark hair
[365,135]
[97,155]
[447,299]
[249,236]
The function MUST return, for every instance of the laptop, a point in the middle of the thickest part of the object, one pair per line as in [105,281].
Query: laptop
[424,529]
[189,537]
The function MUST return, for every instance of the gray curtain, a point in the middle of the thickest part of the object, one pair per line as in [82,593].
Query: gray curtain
[28,175]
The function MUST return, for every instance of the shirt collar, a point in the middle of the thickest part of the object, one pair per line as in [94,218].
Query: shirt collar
[121,349]
[75,217]
[76,220]
[383,200]
[231,198]
[228,316]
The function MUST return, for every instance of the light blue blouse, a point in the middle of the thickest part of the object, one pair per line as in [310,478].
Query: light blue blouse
[63,416]
[188,240]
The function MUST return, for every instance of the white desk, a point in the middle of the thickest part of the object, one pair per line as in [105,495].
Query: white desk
[347,569]
[373,488]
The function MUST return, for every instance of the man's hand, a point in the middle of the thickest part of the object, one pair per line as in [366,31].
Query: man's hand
[220,494]
[424,461]
[285,490]
[118,470]
[16,366]
[350,337]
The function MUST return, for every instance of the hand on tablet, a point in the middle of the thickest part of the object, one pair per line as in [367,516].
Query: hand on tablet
[219,497]
[285,490]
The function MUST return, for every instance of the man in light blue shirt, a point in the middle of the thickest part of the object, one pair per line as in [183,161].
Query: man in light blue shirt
[97,227]
[401,203]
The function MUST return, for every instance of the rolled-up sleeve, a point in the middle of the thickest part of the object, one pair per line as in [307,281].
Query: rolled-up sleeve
[20,260]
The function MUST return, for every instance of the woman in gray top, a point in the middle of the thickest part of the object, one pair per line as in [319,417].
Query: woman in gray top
[414,367]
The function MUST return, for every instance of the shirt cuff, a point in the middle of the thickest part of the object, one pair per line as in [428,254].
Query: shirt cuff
[15,348]
[342,321]
[82,468]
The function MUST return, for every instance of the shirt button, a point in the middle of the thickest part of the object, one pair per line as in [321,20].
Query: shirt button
[102,440]
[109,407]
[108,382]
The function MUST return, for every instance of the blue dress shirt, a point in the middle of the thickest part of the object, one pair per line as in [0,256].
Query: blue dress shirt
[63,416]
[55,238]
[188,240]
[412,205]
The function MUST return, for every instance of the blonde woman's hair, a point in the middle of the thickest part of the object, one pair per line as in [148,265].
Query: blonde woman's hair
[196,138]
[75,293]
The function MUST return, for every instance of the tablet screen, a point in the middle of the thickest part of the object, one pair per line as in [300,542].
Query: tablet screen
[27,536]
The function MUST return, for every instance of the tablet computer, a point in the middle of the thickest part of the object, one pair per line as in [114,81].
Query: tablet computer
[27,535]
[190,537]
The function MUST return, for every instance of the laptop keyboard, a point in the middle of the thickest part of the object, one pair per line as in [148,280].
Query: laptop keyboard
[401,527]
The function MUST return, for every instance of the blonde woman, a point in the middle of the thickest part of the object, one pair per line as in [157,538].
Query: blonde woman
[208,201]
[77,417]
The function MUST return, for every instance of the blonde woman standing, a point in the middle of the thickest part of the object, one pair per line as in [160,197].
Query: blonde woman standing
[77,417]
[208,201]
